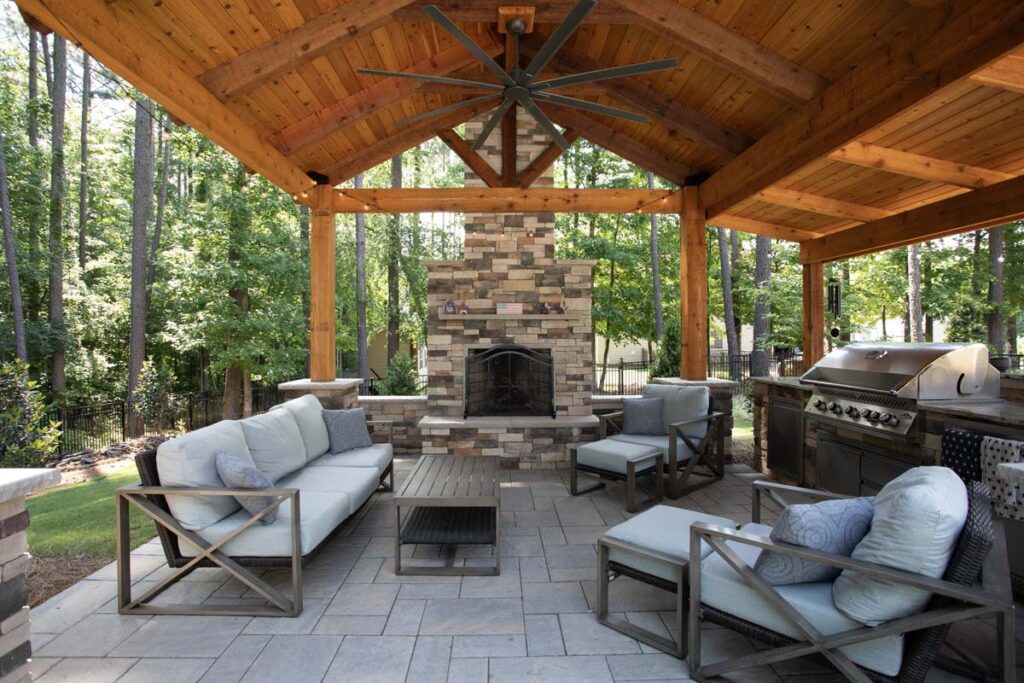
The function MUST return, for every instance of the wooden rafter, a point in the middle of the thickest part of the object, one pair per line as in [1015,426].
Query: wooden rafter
[485,11]
[291,49]
[543,161]
[917,165]
[826,206]
[507,200]
[992,205]
[376,97]
[756,227]
[945,45]
[469,156]
[145,64]
[726,48]
[1006,74]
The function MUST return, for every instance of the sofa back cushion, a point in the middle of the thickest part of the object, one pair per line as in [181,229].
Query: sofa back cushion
[275,443]
[682,402]
[917,520]
[190,460]
[307,412]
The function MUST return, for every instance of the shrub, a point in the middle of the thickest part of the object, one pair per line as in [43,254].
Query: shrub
[401,378]
[666,362]
[27,438]
[154,400]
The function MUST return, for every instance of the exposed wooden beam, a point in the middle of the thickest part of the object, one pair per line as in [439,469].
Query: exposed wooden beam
[543,161]
[945,45]
[726,48]
[814,313]
[376,97]
[917,165]
[322,283]
[401,140]
[1006,74]
[486,12]
[756,227]
[826,206]
[147,66]
[507,200]
[289,50]
[987,206]
[469,156]
[34,24]
[693,287]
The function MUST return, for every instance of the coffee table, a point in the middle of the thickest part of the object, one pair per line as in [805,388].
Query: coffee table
[452,500]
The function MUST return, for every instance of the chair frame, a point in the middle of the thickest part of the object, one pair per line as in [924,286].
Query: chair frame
[389,471]
[629,477]
[991,596]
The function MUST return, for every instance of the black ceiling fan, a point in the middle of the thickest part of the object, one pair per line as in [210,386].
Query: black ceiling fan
[520,86]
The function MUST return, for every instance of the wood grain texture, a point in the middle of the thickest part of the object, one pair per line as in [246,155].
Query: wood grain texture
[757,227]
[543,161]
[507,200]
[814,313]
[693,287]
[469,156]
[827,206]
[322,323]
[917,165]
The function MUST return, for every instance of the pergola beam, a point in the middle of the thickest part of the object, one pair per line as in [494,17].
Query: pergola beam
[826,206]
[506,200]
[917,165]
[946,44]
[756,227]
[543,161]
[469,157]
[486,12]
[1006,74]
[693,287]
[322,280]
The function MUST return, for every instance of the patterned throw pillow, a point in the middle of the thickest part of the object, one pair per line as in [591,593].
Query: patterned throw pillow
[832,526]
[236,474]
[347,429]
[643,416]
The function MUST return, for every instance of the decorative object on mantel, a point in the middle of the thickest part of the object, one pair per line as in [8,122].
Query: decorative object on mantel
[463,308]
[449,307]
[559,309]
[508,309]
[545,309]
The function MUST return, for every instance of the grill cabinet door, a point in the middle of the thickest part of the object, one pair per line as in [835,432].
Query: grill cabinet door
[786,437]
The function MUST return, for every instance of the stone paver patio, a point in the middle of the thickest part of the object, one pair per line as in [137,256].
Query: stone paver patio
[361,622]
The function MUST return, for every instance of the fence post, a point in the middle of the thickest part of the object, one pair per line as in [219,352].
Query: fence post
[622,370]
[124,416]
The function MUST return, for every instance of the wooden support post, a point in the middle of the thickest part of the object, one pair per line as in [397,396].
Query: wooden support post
[321,287]
[693,287]
[814,313]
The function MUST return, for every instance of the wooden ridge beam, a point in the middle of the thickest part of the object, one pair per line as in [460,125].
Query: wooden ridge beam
[376,97]
[993,205]
[486,12]
[1006,74]
[544,160]
[917,165]
[756,227]
[507,200]
[469,156]
[946,45]
[826,206]
[289,50]
[404,138]
[726,48]
[147,66]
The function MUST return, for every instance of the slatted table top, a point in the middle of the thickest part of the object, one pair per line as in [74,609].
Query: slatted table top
[451,480]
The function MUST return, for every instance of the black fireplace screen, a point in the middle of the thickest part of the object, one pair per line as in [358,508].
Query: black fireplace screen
[509,380]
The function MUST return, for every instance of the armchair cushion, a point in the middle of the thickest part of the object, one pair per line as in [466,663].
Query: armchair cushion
[377,456]
[347,429]
[238,475]
[683,452]
[643,416]
[682,402]
[307,411]
[275,443]
[917,520]
[833,526]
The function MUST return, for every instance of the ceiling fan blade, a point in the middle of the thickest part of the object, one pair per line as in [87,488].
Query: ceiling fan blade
[557,39]
[449,107]
[589,106]
[492,123]
[540,117]
[468,43]
[603,74]
[447,80]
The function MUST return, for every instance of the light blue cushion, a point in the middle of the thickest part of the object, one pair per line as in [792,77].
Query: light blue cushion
[307,411]
[357,483]
[377,456]
[682,402]
[612,456]
[274,442]
[683,452]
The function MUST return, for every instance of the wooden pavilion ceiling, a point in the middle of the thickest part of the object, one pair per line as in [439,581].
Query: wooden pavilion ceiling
[802,120]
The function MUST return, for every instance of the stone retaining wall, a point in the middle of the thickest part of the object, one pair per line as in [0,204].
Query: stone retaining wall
[405,412]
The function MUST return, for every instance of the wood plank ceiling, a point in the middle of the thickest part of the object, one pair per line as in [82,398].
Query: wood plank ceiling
[806,118]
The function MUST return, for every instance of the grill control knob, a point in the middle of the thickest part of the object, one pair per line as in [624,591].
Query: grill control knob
[820,404]
[892,421]
[871,415]
[836,408]
[884,418]
[852,412]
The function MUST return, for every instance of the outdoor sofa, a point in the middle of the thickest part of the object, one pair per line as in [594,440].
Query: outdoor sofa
[201,523]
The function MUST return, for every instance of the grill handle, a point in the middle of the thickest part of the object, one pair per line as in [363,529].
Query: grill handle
[837,385]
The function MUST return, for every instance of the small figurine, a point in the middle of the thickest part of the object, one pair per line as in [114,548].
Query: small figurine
[463,308]
[449,307]
[546,310]
[559,309]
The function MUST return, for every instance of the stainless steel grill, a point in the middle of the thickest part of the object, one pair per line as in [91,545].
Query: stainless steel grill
[876,387]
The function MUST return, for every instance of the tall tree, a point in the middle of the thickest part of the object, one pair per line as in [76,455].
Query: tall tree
[142,212]
[659,321]
[760,358]
[394,252]
[728,310]
[304,253]
[164,145]
[83,166]
[47,64]
[237,388]
[914,309]
[10,252]
[33,90]
[996,287]
[56,238]
[361,348]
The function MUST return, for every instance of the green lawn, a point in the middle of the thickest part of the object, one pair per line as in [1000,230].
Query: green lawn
[743,429]
[79,519]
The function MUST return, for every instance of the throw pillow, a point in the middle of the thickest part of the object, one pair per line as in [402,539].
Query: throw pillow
[643,416]
[832,526]
[347,429]
[237,474]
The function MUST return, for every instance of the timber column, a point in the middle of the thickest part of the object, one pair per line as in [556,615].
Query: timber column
[322,321]
[693,287]
[814,313]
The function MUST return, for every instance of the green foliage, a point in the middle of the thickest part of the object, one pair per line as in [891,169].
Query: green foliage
[666,363]
[27,438]
[155,398]
[401,378]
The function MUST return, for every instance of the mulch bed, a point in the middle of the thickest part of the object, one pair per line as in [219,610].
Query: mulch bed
[90,464]
[51,575]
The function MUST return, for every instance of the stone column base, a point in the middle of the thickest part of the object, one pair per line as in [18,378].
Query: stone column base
[334,395]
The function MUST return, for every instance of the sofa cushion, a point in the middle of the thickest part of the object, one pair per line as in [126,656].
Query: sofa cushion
[682,402]
[917,521]
[643,416]
[190,460]
[722,588]
[378,456]
[306,410]
[357,483]
[236,474]
[347,429]
[664,529]
[612,455]
[275,443]
[683,452]
[832,526]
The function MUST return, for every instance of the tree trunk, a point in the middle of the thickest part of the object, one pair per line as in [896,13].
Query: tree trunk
[659,320]
[914,293]
[246,394]
[1011,334]
[996,321]
[394,249]
[10,252]
[48,66]
[732,339]
[845,333]
[142,212]
[885,333]
[161,207]
[760,357]
[361,350]
[33,90]
[33,279]
[734,267]
[926,287]
[976,266]
[83,175]
[56,237]
[611,288]
[304,254]
[238,226]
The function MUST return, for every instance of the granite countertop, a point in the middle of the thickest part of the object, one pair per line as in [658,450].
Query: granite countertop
[1001,412]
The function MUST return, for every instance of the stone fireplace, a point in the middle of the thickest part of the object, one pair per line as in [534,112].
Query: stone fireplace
[509,379]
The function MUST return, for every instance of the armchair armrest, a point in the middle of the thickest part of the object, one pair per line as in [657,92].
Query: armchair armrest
[776,492]
[717,415]
[385,425]
[608,420]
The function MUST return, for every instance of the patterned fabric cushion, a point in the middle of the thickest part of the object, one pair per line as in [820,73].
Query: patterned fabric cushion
[238,475]
[1007,496]
[347,429]
[832,526]
[643,416]
[961,452]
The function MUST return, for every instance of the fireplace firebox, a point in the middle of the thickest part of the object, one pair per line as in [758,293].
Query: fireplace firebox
[509,379]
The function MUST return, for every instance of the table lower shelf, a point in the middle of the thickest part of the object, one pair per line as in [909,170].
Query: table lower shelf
[450,525]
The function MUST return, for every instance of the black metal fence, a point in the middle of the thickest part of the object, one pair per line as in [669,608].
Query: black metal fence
[374,387]
[624,377]
[629,377]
